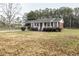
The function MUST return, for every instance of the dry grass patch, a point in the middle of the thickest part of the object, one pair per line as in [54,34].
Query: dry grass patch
[40,43]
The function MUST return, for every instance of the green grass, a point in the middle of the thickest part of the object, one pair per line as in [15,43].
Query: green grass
[40,43]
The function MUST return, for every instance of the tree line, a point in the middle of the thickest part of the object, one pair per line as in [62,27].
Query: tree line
[69,15]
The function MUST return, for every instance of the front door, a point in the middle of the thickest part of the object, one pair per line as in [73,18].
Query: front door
[40,26]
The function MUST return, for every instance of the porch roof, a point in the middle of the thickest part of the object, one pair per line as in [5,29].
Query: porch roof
[44,20]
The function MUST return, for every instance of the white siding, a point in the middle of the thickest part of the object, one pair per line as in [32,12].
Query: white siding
[61,21]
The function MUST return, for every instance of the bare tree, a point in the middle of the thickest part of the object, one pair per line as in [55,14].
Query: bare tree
[10,12]
[2,20]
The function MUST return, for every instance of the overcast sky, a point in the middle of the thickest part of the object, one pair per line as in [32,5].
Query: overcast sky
[26,7]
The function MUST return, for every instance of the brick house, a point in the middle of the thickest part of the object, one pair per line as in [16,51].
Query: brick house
[46,24]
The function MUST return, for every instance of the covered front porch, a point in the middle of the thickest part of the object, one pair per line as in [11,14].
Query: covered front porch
[42,25]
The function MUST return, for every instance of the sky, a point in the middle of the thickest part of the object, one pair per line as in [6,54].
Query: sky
[27,7]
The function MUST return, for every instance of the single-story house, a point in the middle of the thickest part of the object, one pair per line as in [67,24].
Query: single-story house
[46,24]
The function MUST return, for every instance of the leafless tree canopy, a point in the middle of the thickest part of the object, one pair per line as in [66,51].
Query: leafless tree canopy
[10,11]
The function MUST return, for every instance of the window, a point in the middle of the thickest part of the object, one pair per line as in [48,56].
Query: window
[48,24]
[35,24]
[51,23]
[44,24]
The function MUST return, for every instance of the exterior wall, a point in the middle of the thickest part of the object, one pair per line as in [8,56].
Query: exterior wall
[60,25]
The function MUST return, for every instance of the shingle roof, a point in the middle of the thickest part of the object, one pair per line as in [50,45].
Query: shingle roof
[45,20]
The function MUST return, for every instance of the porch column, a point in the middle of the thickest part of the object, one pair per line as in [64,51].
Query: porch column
[50,24]
[42,26]
[31,24]
[53,25]
[57,24]
[38,26]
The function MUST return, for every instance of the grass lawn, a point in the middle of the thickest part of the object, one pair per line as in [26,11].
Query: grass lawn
[36,43]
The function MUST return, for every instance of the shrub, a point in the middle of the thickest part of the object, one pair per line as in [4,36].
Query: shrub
[23,28]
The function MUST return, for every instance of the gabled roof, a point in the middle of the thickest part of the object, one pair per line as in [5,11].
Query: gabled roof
[45,20]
